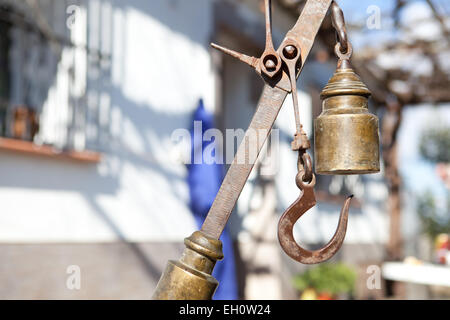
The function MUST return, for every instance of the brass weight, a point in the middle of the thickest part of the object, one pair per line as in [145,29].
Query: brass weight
[346,133]
[190,277]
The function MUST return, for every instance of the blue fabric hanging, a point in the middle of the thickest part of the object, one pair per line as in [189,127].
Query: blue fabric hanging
[204,181]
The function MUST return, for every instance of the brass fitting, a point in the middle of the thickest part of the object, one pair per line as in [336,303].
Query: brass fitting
[190,277]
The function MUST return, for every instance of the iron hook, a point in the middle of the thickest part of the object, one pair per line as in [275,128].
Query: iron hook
[304,202]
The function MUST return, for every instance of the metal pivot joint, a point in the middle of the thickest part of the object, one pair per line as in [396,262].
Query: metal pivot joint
[269,64]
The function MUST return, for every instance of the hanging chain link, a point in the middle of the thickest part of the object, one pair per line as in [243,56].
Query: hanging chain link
[343,48]
[305,169]
[337,17]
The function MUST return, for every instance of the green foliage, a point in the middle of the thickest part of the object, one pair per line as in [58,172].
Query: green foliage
[435,144]
[433,223]
[330,278]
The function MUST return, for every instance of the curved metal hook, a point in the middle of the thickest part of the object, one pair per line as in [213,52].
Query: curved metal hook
[304,202]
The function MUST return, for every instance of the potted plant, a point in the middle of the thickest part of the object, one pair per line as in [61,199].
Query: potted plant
[326,282]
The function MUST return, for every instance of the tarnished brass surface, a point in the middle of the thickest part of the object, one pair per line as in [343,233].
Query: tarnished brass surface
[190,277]
[346,134]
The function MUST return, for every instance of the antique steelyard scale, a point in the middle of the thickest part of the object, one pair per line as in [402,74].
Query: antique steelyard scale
[346,142]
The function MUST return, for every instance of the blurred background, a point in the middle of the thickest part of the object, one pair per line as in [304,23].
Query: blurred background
[95,194]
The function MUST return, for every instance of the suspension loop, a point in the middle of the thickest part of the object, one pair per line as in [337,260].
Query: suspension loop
[343,56]
[305,170]
[343,40]
[337,16]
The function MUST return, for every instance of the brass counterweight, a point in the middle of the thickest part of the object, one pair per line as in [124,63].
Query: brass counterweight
[346,133]
[190,277]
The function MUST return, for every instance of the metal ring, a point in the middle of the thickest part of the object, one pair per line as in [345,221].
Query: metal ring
[338,21]
[305,169]
[343,40]
[301,183]
[307,163]
[343,55]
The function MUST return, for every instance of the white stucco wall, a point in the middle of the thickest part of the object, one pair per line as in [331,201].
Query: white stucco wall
[160,67]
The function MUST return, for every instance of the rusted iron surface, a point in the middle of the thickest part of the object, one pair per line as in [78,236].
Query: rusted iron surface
[274,94]
[269,64]
[306,181]
[304,202]
[304,33]
[270,61]
[291,55]
[269,105]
